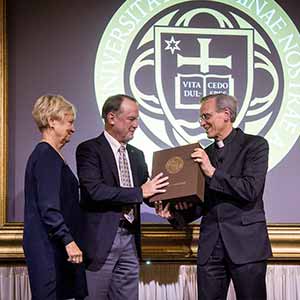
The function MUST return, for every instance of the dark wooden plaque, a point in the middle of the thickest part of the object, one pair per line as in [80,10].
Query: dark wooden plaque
[186,180]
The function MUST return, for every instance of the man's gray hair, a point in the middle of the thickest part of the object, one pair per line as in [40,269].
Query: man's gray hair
[224,101]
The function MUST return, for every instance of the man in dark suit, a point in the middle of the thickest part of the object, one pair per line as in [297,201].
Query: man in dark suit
[114,181]
[234,243]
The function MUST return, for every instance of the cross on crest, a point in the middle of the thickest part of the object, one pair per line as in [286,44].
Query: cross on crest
[204,61]
[210,61]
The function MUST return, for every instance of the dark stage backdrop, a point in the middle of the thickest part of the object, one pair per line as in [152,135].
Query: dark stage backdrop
[167,54]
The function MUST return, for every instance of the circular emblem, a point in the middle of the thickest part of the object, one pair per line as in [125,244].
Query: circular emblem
[168,54]
[174,165]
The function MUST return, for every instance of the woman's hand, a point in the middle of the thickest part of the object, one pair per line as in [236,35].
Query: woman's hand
[74,253]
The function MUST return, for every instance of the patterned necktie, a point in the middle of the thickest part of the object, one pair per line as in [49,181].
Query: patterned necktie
[124,168]
[125,181]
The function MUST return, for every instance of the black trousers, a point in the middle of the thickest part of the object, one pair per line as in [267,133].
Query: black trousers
[213,278]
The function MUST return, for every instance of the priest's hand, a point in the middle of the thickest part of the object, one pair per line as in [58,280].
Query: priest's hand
[183,205]
[200,156]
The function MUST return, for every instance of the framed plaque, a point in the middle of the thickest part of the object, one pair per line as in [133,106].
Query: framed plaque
[186,180]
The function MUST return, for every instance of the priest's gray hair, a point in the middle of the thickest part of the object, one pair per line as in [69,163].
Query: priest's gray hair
[224,101]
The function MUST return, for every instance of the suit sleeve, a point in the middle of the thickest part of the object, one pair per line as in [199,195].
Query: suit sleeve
[250,183]
[48,177]
[91,177]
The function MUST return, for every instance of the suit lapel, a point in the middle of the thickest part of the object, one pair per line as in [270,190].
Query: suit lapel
[133,164]
[109,157]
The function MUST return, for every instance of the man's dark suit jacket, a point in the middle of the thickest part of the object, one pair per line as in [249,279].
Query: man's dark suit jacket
[233,205]
[102,198]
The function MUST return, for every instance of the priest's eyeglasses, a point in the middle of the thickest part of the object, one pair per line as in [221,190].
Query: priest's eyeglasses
[206,116]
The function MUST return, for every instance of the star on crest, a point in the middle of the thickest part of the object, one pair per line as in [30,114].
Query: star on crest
[172,45]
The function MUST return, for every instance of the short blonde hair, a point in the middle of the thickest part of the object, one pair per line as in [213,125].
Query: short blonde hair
[51,107]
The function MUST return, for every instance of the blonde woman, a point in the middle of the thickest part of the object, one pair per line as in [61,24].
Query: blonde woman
[52,218]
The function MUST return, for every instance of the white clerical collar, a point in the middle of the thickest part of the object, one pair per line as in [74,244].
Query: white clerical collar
[220,144]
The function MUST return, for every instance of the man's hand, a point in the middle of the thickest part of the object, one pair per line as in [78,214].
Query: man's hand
[74,253]
[155,185]
[163,212]
[200,156]
[166,213]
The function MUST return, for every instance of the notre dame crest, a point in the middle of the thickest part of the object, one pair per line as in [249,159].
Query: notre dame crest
[169,54]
